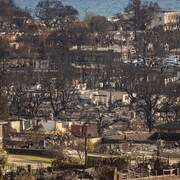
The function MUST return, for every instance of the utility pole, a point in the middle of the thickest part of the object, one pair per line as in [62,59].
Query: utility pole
[85,150]
[110,101]
[86,135]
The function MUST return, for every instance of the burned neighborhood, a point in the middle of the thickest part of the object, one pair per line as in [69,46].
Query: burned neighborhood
[93,98]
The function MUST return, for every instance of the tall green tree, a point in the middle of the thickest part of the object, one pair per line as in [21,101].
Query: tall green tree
[99,27]
[141,14]
[54,14]
[134,10]
[79,34]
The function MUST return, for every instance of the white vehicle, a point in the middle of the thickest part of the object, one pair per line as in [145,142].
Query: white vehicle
[170,64]
[134,61]
[171,60]
[177,64]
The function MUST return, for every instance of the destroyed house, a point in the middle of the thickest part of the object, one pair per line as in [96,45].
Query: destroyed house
[168,132]
[172,127]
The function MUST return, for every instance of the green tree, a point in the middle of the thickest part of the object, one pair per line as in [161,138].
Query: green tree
[25,176]
[79,146]
[99,26]
[54,14]
[79,34]
[141,14]
[3,158]
[64,162]
[134,9]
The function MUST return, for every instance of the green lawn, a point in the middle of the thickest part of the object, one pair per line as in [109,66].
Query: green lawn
[32,158]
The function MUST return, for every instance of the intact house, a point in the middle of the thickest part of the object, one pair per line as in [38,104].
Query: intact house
[169,20]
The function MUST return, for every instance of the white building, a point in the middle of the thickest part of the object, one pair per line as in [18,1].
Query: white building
[170,20]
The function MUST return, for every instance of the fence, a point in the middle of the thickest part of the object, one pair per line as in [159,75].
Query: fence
[168,174]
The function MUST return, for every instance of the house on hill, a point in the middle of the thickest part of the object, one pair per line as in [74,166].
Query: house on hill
[169,20]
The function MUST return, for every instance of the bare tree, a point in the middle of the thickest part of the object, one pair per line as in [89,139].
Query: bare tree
[18,100]
[172,102]
[150,91]
[3,106]
[60,87]
[140,14]
[13,14]
[150,44]
[78,146]
[4,51]
[33,41]
[145,87]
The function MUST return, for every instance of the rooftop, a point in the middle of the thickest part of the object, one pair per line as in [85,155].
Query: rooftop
[3,122]
[171,125]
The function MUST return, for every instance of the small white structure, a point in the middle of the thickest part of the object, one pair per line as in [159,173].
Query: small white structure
[41,65]
[17,125]
[106,97]
[54,126]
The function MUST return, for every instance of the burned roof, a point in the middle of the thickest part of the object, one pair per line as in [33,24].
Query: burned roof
[171,125]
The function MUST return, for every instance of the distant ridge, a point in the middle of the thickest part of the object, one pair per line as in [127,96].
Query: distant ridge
[100,7]
[6,1]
